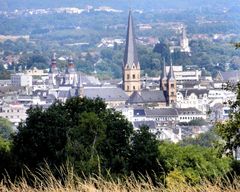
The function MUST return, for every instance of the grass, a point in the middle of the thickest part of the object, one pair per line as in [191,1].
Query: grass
[44,180]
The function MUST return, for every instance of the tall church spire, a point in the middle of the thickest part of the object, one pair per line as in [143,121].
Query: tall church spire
[131,66]
[171,75]
[130,55]
[163,79]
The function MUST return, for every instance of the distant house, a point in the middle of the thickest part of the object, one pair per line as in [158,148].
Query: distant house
[228,76]
[197,98]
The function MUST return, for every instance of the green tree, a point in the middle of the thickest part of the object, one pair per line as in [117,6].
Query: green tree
[81,131]
[6,128]
[194,162]
[208,139]
[144,153]
[5,155]
[164,50]
[229,131]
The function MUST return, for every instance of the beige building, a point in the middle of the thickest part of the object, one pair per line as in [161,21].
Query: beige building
[35,72]
[15,112]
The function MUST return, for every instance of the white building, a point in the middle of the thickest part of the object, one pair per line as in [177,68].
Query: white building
[197,98]
[185,76]
[15,112]
[21,80]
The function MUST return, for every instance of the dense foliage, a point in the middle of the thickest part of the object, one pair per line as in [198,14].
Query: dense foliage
[84,133]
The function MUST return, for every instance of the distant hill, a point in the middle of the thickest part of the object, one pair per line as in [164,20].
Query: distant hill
[123,4]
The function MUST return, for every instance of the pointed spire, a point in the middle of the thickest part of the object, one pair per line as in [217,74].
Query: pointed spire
[130,55]
[171,75]
[164,73]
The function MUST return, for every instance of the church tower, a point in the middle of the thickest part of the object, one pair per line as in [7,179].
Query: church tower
[53,72]
[163,79]
[71,74]
[171,86]
[184,42]
[131,66]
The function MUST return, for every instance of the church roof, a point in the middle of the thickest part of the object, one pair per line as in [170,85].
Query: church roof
[130,55]
[232,76]
[147,96]
[161,112]
[106,93]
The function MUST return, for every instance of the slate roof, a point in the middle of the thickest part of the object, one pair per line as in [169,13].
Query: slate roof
[89,80]
[198,92]
[147,96]
[130,55]
[188,111]
[106,93]
[161,112]
[232,76]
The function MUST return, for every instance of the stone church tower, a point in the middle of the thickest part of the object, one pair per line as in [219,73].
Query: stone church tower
[53,73]
[131,66]
[171,86]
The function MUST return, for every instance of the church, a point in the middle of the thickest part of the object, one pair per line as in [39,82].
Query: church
[167,93]
[64,85]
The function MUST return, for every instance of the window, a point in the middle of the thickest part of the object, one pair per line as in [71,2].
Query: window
[172,93]
[133,76]
[134,88]
[172,85]
[128,76]
[128,88]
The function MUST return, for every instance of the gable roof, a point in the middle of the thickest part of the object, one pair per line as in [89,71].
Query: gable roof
[161,112]
[232,76]
[147,96]
[106,93]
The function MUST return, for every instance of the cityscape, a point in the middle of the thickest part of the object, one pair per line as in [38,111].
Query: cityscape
[76,77]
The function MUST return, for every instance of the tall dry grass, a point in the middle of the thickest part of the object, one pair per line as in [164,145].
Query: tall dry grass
[43,180]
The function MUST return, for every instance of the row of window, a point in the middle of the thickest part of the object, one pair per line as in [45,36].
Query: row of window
[133,88]
[189,118]
[133,76]
[12,117]
[8,111]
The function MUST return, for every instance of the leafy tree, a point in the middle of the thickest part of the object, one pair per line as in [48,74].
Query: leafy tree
[117,145]
[5,155]
[208,139]
[81,131]
[194,162]
[144,153]
[229,131]
[164,50]
[42,137]
[6,128]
